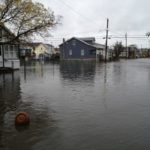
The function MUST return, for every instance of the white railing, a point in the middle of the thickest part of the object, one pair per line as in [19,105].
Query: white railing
[14,64]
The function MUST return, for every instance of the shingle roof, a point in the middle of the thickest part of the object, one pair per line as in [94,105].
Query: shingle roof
[95,45]
[84,40]
[98,46]
[87,39]
[6,29]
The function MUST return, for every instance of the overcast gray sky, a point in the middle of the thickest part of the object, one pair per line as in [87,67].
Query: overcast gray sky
[84,18]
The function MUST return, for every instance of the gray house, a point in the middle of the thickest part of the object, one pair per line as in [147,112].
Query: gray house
[80,48]
[8,50]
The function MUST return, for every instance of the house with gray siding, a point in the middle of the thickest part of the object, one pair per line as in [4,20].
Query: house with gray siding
[80,48]
[8,50]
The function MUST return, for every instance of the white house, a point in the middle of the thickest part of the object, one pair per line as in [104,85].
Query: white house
[100,53]
[8,50]
[38,51]
[50,49]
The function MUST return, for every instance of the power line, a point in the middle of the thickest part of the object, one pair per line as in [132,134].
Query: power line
[85,32]
[106,47]
[75,11]
[132,37]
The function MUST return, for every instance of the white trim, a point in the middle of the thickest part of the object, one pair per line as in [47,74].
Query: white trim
[82,52]
[0,50]
[74,42]
[70,52]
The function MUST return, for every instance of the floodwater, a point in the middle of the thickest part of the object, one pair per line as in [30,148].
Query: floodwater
[77,106]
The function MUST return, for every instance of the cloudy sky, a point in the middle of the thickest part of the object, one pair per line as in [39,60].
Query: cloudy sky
[84,18]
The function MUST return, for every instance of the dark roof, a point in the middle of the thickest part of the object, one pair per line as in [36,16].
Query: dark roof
[98,46]
[33,44]
[36,44]
[84,40]
[50,45]
[87,39]
[6,29]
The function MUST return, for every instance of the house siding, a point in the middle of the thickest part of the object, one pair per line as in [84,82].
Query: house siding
[9,51]
[76,46]
[40,50]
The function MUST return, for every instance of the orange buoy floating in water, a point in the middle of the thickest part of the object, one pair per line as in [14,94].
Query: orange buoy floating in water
[22,118]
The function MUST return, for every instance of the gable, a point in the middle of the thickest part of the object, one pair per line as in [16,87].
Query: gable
[40,48]
[89,40]
[73,40]
[5,34]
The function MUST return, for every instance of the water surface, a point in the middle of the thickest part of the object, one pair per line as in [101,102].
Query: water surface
[77,106]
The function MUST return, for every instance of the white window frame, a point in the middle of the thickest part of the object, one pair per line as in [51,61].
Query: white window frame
[70,52]
[11,50]
[73,42]
[6,51]
[0,50]
[14,51]
[1,34]
[82,52]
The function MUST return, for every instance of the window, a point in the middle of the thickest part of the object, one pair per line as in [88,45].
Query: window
[11,51]
[0,34]
[70,52]
[6,51]
[0,50]
[74,42]
[82,52]
[14,51]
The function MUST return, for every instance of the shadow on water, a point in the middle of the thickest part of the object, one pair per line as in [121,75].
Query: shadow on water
[9,98]
[11,102]
[37,69]
[33,67]
[78,70]
[77,105]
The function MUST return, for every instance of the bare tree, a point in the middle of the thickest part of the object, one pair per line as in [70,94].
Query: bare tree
[26,18]
[118,48]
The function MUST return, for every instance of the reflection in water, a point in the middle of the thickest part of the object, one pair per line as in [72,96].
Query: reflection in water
[10,90]
[77,106]
[37,69]
[34,67]
[74,70]
[105,87]
[11,102]
[119,72]
[77,78]
[9,99]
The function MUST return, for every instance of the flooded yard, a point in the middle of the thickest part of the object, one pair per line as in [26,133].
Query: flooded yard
[77,106]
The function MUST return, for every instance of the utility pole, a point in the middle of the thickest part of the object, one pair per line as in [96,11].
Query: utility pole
[3,55]
[106,44]
[2,47]
[126,38]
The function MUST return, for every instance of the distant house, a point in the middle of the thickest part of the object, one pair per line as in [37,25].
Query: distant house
[8,50]
[25,50]
[37,51]
[133,51]
[124,53]
[50,51]
[145,52]
[81,48]
[148,52]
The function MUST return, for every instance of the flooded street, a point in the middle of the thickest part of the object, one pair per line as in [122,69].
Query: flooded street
[77,106]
